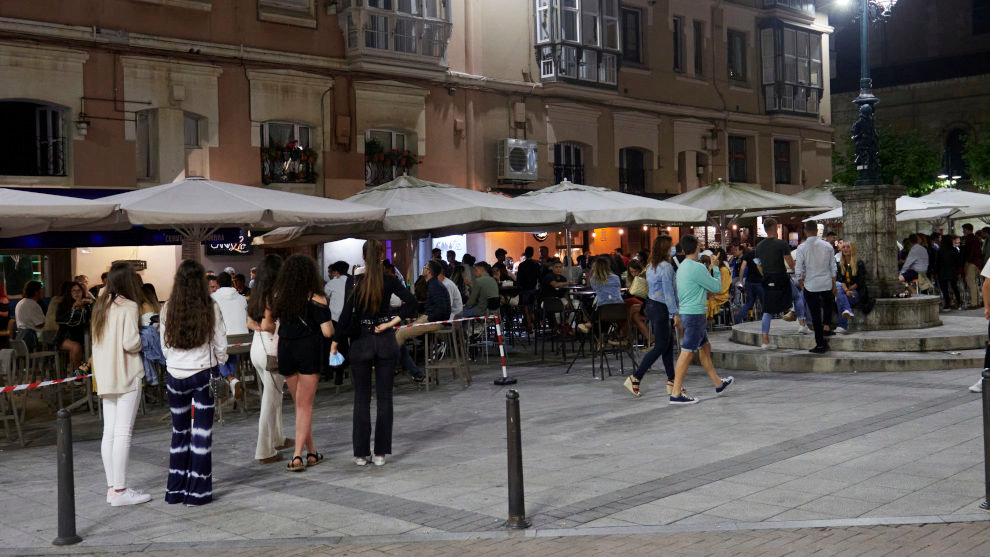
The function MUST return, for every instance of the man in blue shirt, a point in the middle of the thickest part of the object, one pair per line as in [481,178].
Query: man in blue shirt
[694,281]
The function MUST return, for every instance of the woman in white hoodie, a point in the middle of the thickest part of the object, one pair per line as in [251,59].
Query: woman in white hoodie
[194,342]
[118,370]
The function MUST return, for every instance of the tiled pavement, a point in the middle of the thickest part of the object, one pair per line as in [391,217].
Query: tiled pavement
[779,449]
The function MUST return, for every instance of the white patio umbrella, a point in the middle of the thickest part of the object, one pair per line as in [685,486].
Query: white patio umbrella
[905,204]
[416,208]
[968,205]
[196,207]
[726,203]
[25,212]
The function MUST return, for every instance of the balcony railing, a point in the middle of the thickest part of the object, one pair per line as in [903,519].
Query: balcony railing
[288,164]
[572,172]
[632,180]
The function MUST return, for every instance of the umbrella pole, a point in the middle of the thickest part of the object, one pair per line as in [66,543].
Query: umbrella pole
[413,261]
[192,241]
[567,246]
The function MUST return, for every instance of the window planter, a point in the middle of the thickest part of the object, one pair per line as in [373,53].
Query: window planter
[288,163]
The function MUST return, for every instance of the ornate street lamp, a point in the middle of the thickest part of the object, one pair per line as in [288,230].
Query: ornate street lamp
[865,136]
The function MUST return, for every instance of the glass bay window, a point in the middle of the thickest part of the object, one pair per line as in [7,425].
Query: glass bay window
[578,41]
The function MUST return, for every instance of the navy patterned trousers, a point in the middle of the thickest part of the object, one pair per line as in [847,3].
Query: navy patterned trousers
[190,468]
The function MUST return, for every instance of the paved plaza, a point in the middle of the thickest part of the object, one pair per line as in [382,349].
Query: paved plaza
[781,458]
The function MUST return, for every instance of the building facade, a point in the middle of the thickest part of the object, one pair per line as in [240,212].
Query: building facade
[327,97]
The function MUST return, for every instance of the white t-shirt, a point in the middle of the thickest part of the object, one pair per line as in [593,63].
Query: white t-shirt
[28,315]
[986,269]
[335,296]
[456,303]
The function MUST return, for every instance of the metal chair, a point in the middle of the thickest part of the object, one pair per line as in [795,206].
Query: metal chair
[609,340]
[8,408]
[455,359]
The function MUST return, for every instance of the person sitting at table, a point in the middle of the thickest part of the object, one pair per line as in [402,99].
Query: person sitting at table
[233,309]
[29,316]
[552,285]
[639,291]
[483,288]
[717,300]
[437,309]
[607,287]
[915,265]
[72,315]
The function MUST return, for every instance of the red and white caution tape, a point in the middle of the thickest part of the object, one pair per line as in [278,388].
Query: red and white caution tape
[239,345]
[40,384]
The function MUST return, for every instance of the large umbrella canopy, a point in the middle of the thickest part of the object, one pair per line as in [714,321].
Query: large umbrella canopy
[904,204]
[968,204]
[592,207]
[723,198]
[25,212]
[201,203]
[821,196]
[417,207]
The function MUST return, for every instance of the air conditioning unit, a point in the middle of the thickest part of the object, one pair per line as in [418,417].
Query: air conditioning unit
[517,160]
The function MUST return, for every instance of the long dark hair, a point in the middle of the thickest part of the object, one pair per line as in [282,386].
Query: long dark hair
[264,286]
[661,251]
[296,284]
[189,315]
[123,282]
[369,292]
[66,302]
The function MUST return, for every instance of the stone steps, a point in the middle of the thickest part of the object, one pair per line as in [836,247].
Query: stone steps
[956,333]
[728,355]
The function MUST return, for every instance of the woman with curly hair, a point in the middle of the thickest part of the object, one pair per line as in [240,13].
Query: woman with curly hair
[194,342]
[263,346]
[303,322]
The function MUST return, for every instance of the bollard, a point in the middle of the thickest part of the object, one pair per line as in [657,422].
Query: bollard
[513,429]
[66,483]
[985,505]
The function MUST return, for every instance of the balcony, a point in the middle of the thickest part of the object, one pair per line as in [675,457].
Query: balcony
[380,31]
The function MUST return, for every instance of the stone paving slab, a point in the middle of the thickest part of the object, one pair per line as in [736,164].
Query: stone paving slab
[775,449]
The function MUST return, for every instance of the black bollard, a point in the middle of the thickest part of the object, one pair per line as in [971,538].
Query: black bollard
[66,482]
[513,429]
[985,505]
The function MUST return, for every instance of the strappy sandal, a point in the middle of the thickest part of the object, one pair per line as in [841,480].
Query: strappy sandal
[317,458]
[293,467]
[633,385]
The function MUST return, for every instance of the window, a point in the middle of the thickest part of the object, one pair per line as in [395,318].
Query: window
[954,163]
[737,159]
[146,144]
[699,48]
[418,27]
[568,163]
[286,154]
[190,130]
[632,35]
[678,44]
[589,22]
[791,63]
[632,171]
[737,55]
[33,142]
[782,162]
[981,17]
[378,168]
[580,40]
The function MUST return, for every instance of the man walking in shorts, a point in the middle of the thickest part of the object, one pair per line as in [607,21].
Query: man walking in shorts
[694,282]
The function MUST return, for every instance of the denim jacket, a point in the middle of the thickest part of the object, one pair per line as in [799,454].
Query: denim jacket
[663,285]
[608,293]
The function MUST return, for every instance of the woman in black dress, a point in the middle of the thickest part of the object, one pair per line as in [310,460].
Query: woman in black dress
[72,315]
[368,319]
[304,320]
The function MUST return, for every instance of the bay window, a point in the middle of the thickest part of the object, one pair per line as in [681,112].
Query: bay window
[792,69]
[578,40]
[417,30]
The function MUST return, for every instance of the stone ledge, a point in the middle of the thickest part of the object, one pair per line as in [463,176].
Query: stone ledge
[916,312]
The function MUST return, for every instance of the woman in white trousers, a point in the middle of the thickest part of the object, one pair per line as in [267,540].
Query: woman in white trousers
[265,344]
[118,370]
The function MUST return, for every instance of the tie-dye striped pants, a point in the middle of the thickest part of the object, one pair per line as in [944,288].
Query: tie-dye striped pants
[190,468]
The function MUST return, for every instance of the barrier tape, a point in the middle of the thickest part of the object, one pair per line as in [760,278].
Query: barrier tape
[498,332]
[239,345]
[40,384]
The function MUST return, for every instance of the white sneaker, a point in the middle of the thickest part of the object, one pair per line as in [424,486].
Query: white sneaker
[109,494]
[360,461]
[236,388]
[129,497]
[804,330]
[840,330]
[977,387]
[848,314]
[378,460]
[765,346]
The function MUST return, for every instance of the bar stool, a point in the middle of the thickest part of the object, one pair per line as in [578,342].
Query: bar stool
[455,359]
